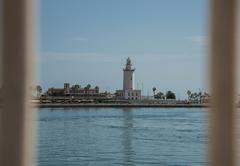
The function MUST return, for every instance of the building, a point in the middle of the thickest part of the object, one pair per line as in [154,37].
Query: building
[75,91]
[128,92]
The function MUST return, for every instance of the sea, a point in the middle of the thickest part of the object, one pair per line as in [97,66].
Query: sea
[122,136]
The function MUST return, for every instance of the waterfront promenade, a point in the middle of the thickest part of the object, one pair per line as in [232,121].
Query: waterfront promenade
[58,105]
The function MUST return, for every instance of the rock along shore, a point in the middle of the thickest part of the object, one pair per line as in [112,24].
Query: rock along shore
[59,105]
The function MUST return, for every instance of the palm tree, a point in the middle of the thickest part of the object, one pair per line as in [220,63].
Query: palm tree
[77,86]
[200,95]
[96,89]
[88,86]
[38,90]
[194,97]
[154,90]
[189,93]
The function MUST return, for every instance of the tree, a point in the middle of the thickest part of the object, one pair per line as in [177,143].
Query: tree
[194,97]
[200,95]
[88,86]
[77,86]
[170,95]
[205,97]
[189,93]
[159,95]
[38,90]
[154,90]
[97,89]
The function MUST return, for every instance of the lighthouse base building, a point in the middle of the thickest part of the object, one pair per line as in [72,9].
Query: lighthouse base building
[128,92]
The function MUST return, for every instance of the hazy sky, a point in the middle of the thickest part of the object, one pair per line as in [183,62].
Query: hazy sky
[88,41]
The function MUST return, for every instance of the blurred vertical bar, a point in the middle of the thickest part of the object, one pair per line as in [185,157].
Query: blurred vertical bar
[16,114]
[238,82]
[223,77]
[1,37]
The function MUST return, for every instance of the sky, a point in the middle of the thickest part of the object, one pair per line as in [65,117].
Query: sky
[88,41]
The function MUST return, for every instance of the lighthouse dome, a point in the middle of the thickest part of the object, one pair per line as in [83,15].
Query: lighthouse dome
[129,62]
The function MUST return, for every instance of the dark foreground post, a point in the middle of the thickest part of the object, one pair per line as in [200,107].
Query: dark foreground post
[16,114]
[223,56]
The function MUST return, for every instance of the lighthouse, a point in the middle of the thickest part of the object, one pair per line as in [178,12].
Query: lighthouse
[128,92]
[128,76]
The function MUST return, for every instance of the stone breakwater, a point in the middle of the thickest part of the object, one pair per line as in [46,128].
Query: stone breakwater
[50,105]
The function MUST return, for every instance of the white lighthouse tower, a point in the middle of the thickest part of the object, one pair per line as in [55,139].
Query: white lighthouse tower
[128,76]
[128,92]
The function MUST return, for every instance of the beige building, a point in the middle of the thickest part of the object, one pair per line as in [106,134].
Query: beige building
[75,90]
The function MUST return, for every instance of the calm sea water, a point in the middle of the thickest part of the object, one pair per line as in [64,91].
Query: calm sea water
[122,136]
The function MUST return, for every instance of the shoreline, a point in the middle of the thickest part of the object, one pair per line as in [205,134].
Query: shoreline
[54,105]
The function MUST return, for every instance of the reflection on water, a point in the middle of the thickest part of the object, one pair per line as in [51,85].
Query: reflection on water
[107,136]
[127,137]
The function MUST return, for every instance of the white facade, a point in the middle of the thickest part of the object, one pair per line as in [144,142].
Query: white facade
[128,92]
